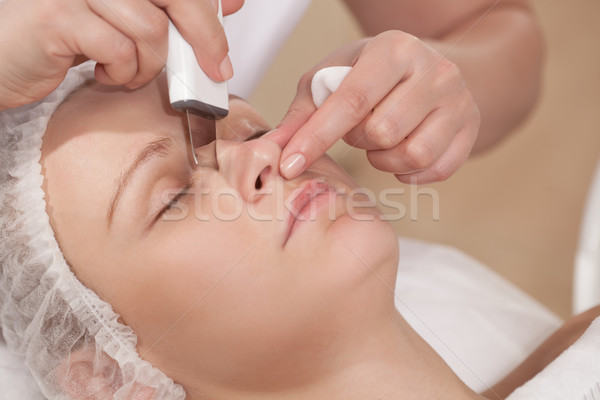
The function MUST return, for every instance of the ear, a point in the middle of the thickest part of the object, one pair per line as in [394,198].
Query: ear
[86,376]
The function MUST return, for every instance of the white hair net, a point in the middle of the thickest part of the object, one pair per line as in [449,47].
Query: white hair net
[68,337]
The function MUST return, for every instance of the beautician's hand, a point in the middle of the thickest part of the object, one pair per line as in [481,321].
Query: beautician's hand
[404,103]
[128,39]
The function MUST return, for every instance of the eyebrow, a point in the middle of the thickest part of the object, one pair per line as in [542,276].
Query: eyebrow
[156,148]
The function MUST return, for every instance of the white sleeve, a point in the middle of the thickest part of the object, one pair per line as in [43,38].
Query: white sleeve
[255,35]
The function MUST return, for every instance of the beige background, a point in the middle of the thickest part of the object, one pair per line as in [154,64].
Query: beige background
[518,207]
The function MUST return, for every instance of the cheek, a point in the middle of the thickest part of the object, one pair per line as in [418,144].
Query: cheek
[225,205]
[180,263]
[216,294]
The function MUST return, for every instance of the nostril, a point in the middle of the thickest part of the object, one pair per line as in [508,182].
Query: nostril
[260,179]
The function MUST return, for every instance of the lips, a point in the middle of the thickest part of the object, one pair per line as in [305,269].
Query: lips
[305,201]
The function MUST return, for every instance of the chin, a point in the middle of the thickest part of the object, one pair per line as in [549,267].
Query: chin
[363,258]
[359,274]
[373,241]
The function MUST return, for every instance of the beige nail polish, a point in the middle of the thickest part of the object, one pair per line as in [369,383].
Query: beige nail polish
[292,165]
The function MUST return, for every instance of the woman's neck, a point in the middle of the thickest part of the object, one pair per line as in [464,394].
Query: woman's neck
[389,361]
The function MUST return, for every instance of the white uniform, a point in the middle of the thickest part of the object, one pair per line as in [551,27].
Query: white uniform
[255,35]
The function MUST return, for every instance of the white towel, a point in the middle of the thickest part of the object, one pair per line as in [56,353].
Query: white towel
[479,323]
[327,81]
[574,375]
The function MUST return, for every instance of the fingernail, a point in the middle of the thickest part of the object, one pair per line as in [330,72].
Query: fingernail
[226,69]
[293,165]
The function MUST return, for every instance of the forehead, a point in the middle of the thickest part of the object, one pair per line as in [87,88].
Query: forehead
[99,108]
[98,129]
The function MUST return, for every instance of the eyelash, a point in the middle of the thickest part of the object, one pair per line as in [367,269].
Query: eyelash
[171,204]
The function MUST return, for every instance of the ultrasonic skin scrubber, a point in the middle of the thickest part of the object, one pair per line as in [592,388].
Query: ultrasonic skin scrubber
[190,89]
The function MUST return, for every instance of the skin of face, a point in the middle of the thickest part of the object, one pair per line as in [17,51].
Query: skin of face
[217,290]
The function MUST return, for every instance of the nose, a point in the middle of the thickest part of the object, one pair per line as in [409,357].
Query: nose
[249,167]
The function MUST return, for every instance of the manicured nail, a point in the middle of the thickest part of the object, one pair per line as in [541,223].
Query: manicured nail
[226,69]
[293,165]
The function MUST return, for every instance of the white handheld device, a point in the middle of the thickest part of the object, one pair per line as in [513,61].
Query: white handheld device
[190,89]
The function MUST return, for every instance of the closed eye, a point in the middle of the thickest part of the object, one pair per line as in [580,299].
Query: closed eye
[172,204]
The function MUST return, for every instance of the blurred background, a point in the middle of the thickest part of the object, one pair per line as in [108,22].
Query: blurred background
[516,208]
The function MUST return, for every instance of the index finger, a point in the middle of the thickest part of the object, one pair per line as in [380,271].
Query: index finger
[198,23]
[367,84]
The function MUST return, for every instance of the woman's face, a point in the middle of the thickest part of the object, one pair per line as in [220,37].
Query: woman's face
[224,270]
